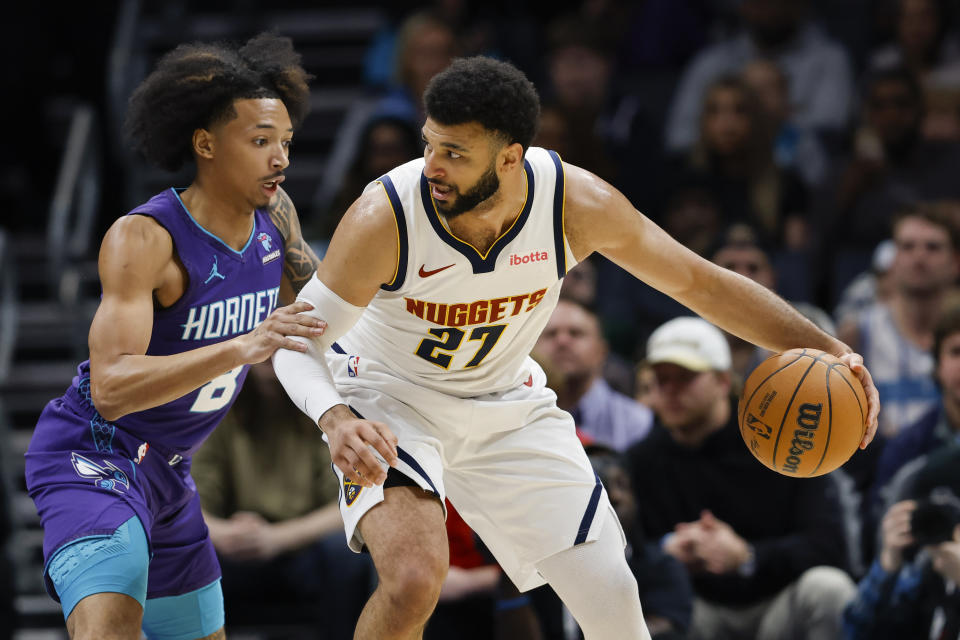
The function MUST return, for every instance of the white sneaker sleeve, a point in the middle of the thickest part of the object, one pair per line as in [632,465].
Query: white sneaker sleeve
[306,376]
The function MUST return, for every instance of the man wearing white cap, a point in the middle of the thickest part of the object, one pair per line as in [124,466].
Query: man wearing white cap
[764,552]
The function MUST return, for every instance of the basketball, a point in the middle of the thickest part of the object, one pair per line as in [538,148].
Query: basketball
[802,413]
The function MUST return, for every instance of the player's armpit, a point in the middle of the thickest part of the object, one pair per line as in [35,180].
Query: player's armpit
[300,261]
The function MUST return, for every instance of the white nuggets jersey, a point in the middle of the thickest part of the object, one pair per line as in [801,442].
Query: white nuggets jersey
[453,319]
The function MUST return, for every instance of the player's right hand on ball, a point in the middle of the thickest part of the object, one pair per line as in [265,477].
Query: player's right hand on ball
[351,438]
[273,333]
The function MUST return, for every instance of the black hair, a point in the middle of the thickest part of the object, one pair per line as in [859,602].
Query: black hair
[195,85]
[947,325]
[589,307]
[492,93]
[935,213]
[741,235]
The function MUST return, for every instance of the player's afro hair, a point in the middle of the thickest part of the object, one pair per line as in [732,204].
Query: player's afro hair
[195,85]
[495,94]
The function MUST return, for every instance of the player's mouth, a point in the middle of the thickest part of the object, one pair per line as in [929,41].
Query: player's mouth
[440,192]
[270,187]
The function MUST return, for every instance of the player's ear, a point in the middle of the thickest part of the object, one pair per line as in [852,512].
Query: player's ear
[511,157]
[203,144]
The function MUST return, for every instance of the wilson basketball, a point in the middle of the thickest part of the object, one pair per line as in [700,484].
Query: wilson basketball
[802,413]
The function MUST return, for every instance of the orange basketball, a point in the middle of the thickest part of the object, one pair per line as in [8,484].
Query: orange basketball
[802,413]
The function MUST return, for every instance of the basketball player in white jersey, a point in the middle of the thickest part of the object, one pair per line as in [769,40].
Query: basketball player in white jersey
[434,289]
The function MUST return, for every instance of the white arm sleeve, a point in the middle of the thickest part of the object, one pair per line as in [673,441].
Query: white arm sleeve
[306,376]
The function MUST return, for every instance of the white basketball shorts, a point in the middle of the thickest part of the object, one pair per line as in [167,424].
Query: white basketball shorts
[510,462]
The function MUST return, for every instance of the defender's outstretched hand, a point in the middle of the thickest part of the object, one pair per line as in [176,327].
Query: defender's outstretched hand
[855,362]
[273,333]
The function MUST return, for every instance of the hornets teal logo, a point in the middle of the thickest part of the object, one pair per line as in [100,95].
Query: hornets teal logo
[351,491]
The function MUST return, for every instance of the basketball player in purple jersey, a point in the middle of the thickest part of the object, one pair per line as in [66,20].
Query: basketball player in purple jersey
[191,283]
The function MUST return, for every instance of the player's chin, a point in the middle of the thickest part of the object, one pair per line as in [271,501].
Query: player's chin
[261,201]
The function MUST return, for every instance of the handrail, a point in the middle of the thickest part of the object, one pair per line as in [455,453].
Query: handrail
[76,198]
[8,306]
[119,63]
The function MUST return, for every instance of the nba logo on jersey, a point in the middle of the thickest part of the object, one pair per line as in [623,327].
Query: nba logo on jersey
[265,240]
[353,366]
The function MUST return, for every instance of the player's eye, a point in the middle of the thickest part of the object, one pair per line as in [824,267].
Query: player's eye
[260,142]
[288,144]
[454,155]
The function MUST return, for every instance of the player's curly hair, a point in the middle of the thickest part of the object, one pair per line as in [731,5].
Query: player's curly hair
[495,94]
[195,85]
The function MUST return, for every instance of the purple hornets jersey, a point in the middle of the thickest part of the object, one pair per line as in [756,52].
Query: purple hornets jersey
[228,293]
[87,475]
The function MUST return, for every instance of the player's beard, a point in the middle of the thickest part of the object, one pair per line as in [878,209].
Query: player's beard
[487,186]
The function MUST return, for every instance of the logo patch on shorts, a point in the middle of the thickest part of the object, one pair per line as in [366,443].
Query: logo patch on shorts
[108,477]
[353,366]
[351,491]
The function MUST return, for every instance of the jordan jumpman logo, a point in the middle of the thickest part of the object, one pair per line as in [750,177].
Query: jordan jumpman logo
[214,272]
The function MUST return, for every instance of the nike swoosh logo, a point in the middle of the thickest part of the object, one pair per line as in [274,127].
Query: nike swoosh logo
[426,274]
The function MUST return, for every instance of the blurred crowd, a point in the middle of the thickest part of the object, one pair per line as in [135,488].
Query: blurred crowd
[811,146]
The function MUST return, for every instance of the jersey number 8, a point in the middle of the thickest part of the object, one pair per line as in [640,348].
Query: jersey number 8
[217,393]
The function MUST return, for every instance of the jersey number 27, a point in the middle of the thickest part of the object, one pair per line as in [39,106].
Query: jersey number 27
[438,351]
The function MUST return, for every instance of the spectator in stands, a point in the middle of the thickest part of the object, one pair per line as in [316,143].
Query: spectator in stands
[868,287]
[923,41]
[896,336]
[603,125]
[740,251]
[938,428]
[913,587]
[700,491]
[926,44]
[692,215]
[270,501]
[573,345]
[425,45]
[387,140]
[890,167]
[818,69]
[795,148]
[732,159]
[580,285]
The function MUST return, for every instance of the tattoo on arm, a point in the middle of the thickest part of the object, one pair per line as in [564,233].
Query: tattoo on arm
[299,260]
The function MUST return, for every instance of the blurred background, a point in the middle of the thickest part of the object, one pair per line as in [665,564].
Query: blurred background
[797,128]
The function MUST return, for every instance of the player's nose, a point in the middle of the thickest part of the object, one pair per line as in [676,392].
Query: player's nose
[431,167]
